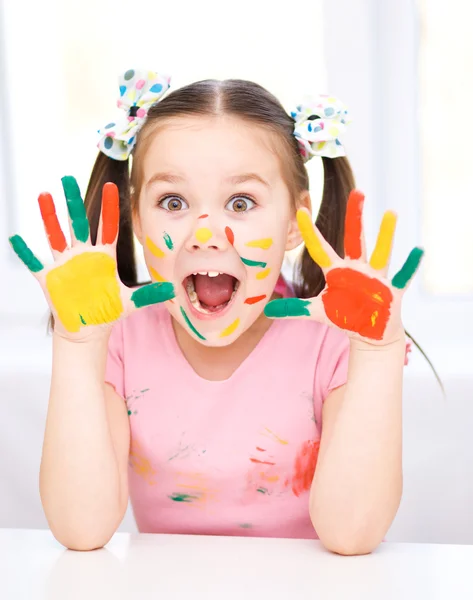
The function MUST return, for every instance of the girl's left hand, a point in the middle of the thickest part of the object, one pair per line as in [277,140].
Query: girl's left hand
[357,298]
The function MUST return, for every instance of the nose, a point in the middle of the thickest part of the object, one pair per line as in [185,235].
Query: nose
[206,237]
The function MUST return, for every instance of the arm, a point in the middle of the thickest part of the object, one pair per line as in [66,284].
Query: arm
[83,477]
[357,485]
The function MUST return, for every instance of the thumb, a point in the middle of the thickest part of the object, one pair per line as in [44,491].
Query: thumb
[287,308]
[152,293]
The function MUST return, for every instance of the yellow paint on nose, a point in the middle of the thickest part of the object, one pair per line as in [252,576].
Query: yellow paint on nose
[85,291]
[264,243]
[263,274]
[154,249]
[230,329]
[203,235]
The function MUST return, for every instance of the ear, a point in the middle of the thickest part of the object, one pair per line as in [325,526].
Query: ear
[136,222]
[294,237]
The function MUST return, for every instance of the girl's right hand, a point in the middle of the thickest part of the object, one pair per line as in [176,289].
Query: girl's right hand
[82,286]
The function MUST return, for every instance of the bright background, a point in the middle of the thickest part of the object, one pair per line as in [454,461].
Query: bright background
[401,67]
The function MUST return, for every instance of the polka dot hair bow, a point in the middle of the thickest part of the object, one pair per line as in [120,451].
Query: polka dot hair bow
[318,124]
[139,90]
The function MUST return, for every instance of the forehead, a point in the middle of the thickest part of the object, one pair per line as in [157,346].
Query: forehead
[222,144]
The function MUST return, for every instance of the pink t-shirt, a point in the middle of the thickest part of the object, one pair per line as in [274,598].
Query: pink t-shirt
[233,457]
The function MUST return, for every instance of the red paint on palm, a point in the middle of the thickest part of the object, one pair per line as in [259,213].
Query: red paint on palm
[51,223]
[304,467]
[356,302]
[353,225]
[110,213]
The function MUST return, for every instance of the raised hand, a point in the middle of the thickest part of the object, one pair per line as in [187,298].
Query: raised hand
[82,285]
[357,297]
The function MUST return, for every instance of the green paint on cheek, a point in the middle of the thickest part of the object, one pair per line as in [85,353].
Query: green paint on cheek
[153,294]
[289,307]
[24,253]
[191,327]
[168,241]
[76,208]
[253,263]
[182,498]
[402,277]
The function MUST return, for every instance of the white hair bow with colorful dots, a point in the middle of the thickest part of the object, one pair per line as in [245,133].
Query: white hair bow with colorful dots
[138,91]
[318,124]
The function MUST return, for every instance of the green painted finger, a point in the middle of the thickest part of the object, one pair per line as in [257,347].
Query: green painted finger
[25,254]
[76,208]
[405,274]
[289,307]
[153,293]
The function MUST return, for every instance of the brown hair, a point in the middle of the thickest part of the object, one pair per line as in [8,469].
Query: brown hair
[248,101]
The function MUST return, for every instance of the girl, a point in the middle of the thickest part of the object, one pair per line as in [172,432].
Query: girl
[182,393]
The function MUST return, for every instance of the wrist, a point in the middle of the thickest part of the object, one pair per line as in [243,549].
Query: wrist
[395,343]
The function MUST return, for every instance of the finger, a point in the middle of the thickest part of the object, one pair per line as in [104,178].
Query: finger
[384,243]
[25,254]
[408,269]
[320,251]
[110,213]
[354,242]
[153,293]
[75,206]
[57,241]
[288,308]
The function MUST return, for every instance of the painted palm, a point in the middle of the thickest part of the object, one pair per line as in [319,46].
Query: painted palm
[358,297]
[82,285]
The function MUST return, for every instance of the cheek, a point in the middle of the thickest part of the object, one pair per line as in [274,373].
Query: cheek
[161,246]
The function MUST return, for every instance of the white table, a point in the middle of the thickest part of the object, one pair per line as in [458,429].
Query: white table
[34,566]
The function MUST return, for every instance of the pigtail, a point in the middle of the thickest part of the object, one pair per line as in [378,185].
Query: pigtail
[338,182]
[115,171]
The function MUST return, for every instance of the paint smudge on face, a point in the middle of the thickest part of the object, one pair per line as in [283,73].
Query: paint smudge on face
[255,299]
[230,235]
[264,244]
[93,291]
[140,464]
[263,274]
[203,235]
[230,329]
[253,263]
[262,462]
[189,324]
[304,467]
[273,436]
[168,241]
[353,296]
[155,275]
[203,216]
[155,251]
[176,497]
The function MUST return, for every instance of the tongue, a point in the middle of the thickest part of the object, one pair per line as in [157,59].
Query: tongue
[213,291]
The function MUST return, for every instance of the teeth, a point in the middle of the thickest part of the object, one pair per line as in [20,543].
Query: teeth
[213,273]
[202,273]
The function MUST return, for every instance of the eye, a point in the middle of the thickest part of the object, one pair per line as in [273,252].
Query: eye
[240,204]
[173,204]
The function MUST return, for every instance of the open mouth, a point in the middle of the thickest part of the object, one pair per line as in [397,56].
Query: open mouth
[210,292]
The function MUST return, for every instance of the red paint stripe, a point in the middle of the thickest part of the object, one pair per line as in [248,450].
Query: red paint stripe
[203,216]
[110,213]
[353,225]
[260,449]
[255,299]
[51,223]
[262,462]
[230,235]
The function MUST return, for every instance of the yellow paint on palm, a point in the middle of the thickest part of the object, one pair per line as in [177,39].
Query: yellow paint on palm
[312,242]
[85,291]
[264,243]
[230,329]
[203,235]
[263,274]
[374,318]
[384,243]
[154,249]
[155,275]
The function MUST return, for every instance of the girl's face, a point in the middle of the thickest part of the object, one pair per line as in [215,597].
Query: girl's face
[215,218]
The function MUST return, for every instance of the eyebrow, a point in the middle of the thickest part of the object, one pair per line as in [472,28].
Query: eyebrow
[235,179]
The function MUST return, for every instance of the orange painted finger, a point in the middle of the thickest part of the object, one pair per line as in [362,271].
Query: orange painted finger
[57,241]
[353,225]
[110,213]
